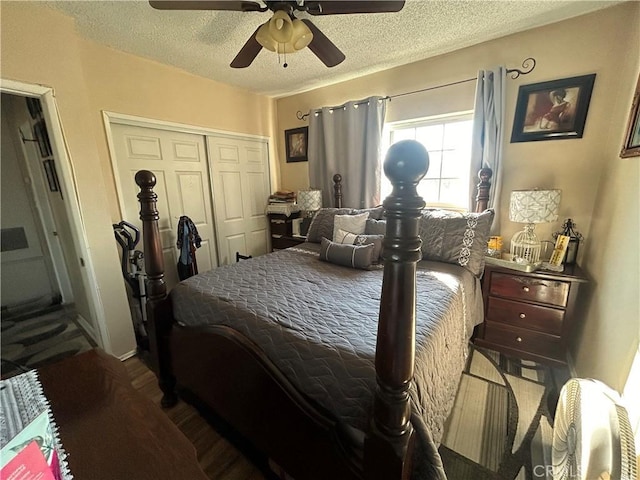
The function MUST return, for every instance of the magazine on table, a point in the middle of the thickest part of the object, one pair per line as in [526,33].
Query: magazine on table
[19,458]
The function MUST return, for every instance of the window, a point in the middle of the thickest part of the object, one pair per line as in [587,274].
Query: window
[448,141]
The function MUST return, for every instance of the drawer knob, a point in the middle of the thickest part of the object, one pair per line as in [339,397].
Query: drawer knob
[518,339]
[522,315]
[526,289]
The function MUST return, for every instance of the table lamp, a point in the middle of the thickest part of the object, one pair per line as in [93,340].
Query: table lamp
[531,207]
[310,201]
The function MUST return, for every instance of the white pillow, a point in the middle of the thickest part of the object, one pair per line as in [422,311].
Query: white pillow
[345,237]
[350,223]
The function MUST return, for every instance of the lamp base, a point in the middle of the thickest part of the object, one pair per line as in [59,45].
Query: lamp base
[525,246]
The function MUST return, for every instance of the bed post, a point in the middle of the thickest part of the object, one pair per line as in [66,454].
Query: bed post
[388,445]
[337,190]
[158,309]
[484,186]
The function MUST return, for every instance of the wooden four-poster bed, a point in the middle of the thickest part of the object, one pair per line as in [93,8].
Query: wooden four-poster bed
[366,418]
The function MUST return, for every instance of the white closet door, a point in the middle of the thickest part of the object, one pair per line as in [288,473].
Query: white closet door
[179,162]
[240,172]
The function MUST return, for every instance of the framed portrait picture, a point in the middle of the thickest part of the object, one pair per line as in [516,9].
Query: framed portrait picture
[51,174]
[631,147]
[42,138]
[296,143]
[552,110]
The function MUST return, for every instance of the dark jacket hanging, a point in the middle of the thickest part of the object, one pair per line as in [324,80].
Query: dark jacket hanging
[188,241]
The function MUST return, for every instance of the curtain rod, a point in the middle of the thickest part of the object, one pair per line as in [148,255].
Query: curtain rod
[527,67]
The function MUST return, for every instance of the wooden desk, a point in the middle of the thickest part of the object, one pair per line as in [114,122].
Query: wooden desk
[108,429]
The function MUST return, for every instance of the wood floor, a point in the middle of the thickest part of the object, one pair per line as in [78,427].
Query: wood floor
[217,457]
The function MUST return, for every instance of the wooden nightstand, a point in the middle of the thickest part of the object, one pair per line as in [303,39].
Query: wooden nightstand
[282,231]
[280,242]
[529,315]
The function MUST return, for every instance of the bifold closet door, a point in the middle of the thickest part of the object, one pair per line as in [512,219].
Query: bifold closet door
[240,172]
[179,162]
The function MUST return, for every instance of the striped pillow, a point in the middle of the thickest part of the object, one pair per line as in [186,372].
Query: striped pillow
[354,256]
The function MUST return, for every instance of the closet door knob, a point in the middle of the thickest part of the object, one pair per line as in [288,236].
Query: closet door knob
[522,315]
[526,289]
[518,339]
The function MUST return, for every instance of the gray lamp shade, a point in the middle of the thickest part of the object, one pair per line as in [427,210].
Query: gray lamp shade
[534,206]
[310,200]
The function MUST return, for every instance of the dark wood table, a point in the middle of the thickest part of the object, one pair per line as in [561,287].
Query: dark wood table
[110,430]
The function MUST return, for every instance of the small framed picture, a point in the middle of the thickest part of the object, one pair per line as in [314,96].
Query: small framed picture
[52,175]
[552,110]
[296,144]
[42,138]
[631,147]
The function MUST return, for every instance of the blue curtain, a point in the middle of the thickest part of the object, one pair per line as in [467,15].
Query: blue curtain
[488,135]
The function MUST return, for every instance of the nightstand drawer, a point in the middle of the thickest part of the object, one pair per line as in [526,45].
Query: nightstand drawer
[520,287]
[524,340]
[280,227]
[525,315]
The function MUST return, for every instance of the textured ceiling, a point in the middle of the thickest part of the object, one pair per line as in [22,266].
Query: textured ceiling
[205,42]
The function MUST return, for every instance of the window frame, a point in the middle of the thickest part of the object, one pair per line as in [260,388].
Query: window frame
[415,123]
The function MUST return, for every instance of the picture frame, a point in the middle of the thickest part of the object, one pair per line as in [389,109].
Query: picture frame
[42,138]
[553,110]
[631,147]
[296,142]
[51,174]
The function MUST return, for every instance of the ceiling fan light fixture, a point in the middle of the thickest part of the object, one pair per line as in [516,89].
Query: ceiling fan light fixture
[264,38]
[281,27]
[302,35]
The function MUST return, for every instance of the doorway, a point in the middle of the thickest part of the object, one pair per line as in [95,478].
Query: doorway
[40,297]
[29,275]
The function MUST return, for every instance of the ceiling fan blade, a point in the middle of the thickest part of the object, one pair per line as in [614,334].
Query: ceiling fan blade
[244,6]
[324,48]
[334,7]
[248,52]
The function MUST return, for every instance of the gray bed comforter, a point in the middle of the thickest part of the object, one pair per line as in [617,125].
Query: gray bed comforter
[318,321]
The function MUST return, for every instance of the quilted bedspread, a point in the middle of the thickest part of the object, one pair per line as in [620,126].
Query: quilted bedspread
[318,321]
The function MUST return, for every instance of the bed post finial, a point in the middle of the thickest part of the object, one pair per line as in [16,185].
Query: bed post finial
[158,323]
[337,190]
[389,440]
[484,186]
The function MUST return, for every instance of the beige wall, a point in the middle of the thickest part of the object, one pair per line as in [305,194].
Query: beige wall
[599,190]
[41,46]
[123,83]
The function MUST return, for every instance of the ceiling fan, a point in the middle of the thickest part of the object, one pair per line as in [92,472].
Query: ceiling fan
[284,33]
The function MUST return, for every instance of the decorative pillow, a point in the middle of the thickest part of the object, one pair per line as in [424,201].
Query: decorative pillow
[342,236]
[459,238]
[375,227]
[354,256]
[322,223]
[348,238]
[349,223]
[376,213]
